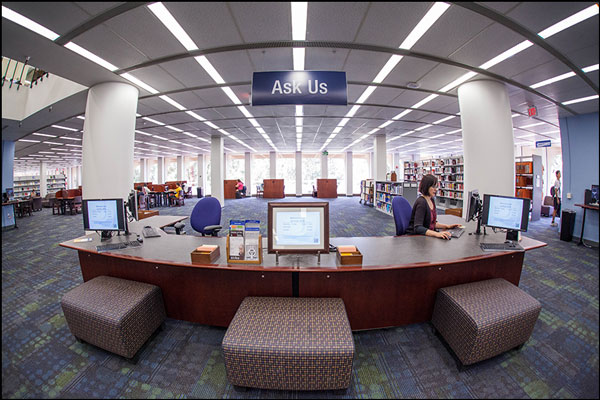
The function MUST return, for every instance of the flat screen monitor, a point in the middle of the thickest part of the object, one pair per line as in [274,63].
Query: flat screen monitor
[298,227]
[132,204]
[103,215]
[472,205]
[9,194]
[511,213]
[594,193]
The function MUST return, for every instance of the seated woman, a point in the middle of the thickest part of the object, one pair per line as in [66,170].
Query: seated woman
[239,189]
[423,220]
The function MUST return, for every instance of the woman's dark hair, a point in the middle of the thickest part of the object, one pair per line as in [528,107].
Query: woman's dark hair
[426,182]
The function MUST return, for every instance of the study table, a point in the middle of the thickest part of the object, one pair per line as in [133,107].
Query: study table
[396,284]
[585,208]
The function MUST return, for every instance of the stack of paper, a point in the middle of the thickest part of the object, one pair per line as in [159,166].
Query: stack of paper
[347,250]
[207,248]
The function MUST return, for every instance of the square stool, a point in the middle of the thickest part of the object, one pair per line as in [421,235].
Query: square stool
[289,343]
[480,320]
[117,315]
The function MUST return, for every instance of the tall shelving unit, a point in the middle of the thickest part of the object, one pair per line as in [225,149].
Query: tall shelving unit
[366,192]
[410,171]
[386,190]
[26,186]
[450,174]
[54,183]
[528,182]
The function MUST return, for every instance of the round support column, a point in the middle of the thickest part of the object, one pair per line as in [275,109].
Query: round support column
[108,141]
[488,142]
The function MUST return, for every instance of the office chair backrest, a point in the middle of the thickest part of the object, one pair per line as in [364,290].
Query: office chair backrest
[402,211]
[207,211]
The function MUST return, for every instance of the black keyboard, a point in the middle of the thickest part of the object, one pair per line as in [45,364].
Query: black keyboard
[456,232]
[117,246]
[500,246]
[150,232]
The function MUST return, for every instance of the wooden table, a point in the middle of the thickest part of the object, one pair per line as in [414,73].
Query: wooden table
[273,189]
[326,188]
[396,284]
[585,208]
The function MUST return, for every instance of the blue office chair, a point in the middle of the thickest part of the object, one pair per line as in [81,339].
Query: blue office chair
[402,212]
[206,216]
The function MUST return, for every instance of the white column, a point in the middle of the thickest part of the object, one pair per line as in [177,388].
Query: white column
[225,167]
[143,169]
[371,165]
[179,168]
[217,172]
[488,142]
[398,167]
[349,173]
[324,167]
[201,172]
[160,168]
[248,173]
[73,173]
[273,164]
[298,174]
[43,183]
[380,162]
[79,176]
[108,140]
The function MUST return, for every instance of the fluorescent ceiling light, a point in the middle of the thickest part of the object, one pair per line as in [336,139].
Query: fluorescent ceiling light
[530,125]
[28,140]
[425,100]
[515,115]
[590,68]
[143,133]
[65,128]
[387,68]
[437,136]
[172,25]
[507,54]
[90,56]
[173,128]
[423,127]
[458,81]
[172,102]
[423,26]
[159,137]
[524,136]
[54,143]
[43,134]
[299,110]
[570,21]
[29,24]
[193,114]
[402,114]
[231,95]
[298,54]
[190,134]
[153,121]
[80,117]
[211,124]
[71,145]
[70,138]
[552,80]
[352,111]
[407,133]
[245,112]
[203,61]
[365,95]
[343,122]
[443,120]
[337,129]
[299,18]
[580,100]
[451,132]
[386,123]
[139,83]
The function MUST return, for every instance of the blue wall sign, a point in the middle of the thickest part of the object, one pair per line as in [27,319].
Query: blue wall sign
[299,87]
[543,143]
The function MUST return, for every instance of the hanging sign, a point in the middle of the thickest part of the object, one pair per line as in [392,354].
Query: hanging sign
[299,87]
[532,111]
[543,143]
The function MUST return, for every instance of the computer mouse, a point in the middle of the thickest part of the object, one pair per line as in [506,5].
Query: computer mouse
[140,239]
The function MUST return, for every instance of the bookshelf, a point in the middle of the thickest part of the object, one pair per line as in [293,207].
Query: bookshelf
[528,182]
[450,174]
[366,192]
[386,190]
[26,186]
[54,183]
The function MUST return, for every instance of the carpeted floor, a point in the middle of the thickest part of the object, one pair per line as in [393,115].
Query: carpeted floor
[41,359]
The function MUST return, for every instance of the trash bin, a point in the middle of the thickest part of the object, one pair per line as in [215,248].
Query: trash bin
[199,192]
[567,225]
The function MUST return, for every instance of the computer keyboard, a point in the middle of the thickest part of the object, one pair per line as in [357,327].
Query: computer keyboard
[500,246]
[456,232]
[117,246]
[149,232]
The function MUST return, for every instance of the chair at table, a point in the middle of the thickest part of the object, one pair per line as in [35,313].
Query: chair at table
[259,191]
[55,204]
[75,204]
[206,216]
[37,204]
[402,212]
[188,194]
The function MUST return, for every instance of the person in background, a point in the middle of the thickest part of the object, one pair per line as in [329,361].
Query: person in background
[176,194]
[555,192]
[423,220]
[239,189]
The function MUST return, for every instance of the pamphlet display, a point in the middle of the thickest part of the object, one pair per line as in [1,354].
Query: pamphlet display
[244,242]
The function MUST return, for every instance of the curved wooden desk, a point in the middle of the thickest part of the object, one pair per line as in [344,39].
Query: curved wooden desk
[396,285]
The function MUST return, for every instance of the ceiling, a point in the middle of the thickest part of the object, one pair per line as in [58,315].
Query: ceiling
[240,38]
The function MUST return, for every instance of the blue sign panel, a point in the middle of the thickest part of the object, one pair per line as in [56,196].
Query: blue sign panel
[299,87]
[543,143]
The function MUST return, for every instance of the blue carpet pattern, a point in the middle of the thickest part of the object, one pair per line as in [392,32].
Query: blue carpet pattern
[41,359]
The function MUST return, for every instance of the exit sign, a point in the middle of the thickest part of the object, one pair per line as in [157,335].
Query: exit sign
[532,111]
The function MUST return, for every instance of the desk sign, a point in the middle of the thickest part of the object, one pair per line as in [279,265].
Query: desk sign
[543,143]
[299,87]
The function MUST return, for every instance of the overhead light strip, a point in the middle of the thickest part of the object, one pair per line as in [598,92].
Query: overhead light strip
[563,76]
[29,24]
[580,100]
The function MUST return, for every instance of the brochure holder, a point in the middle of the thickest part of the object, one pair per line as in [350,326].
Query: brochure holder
[259,261]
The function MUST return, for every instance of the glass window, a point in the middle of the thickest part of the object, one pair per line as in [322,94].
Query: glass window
[152,171]
[361,170]
[171,169]
[137,171]
[286,170]
[190,171]
[236,167]
[311,171]
[261,169]
[336,169]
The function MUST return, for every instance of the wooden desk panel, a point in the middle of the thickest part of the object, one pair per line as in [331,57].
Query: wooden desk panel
[273,189]
[229,188]
[326,188]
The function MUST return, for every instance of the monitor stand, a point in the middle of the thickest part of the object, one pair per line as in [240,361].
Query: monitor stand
[105,235]
[512,236]
[478,231]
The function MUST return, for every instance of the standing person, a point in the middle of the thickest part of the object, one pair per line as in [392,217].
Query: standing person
[555,191]
[423,220]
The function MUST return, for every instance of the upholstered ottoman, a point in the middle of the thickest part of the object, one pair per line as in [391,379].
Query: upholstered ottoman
[482,319]
[289,343]
[115,314]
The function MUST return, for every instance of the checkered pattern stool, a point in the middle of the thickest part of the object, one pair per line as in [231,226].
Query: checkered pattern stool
[289,343]
[480,320]
[115,314]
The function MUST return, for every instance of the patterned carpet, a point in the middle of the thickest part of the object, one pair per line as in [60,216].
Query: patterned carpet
[41,359]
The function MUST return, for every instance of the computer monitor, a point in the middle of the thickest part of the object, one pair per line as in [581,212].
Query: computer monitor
[298,227]
[473,205]
[510,213]
[594,193]
[8,194]
[132,204]
[104,215]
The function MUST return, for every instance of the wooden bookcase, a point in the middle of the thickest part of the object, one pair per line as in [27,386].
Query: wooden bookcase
[366,192]
[528,182]
[386,190]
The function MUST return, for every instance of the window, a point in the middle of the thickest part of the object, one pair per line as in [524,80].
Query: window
[361,170]
[336,169]
[152,171]
[190,170]
[171,169]
[311,171]
[137,171]
[260,169]
[236,167]
[286,170]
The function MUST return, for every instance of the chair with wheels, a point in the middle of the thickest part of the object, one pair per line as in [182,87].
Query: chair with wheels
[402,212]
[76,204]
[206,216]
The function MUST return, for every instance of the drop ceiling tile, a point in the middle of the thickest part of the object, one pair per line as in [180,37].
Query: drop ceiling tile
[262,22]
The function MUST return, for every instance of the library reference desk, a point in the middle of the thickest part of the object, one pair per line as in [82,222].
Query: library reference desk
[396,284]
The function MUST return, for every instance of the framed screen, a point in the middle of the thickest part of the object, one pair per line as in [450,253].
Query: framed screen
[298,227]
[505,212]
[103,215]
